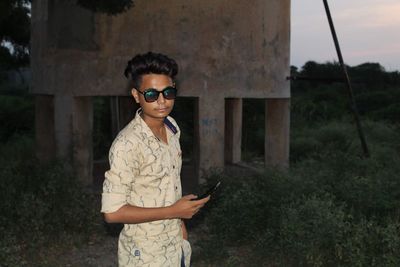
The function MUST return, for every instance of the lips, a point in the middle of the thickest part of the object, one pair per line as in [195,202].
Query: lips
[161,109]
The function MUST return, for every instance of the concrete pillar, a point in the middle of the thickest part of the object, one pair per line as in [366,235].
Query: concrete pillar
[210,133]
[44,128]
[277,124]
[82,129]
[233,130]
[73,117]
[63,107]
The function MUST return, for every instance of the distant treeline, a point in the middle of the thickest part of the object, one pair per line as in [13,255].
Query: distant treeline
[323,95]
[363,76]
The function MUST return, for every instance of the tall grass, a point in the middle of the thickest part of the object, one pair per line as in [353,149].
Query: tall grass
[39,203]
[332,208]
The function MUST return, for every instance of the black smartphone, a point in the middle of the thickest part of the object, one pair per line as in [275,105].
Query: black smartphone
[209,192]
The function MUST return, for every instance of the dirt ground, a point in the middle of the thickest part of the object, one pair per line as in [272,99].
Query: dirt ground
[102,253]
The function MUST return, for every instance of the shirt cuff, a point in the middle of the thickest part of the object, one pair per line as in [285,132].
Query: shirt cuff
[112,202]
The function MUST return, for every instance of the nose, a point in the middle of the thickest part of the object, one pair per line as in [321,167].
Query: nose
[160,99]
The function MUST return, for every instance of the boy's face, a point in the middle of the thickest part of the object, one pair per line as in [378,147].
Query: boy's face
[160,108]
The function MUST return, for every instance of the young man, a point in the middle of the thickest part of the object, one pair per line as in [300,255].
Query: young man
[142,189]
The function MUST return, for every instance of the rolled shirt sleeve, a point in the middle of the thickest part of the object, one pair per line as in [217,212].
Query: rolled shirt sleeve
[118,179]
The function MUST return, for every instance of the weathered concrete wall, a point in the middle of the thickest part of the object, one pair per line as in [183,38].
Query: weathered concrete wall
[229,48]
[225,50]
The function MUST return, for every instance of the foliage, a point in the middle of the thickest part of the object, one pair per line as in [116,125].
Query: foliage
[108,7]
[15,29]
[39,202]
[377,93]
[16,116]
[333,208]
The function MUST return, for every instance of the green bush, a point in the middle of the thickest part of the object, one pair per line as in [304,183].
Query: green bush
[389,113]
[319,104]
[16,116]
[333,208]
[310,231]
[39,203]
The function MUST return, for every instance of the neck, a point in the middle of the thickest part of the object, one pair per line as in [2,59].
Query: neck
[153,123]
[156,125]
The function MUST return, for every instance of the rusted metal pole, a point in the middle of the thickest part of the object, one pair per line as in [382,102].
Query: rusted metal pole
[349,88]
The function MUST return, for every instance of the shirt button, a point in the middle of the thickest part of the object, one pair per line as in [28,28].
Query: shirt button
[173,166]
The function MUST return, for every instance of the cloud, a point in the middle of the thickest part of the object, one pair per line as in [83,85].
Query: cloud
[392,49]
[371,16]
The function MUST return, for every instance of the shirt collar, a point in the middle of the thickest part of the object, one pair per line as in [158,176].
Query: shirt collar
[147,129]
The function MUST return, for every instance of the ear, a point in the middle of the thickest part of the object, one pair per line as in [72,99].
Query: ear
[135,95]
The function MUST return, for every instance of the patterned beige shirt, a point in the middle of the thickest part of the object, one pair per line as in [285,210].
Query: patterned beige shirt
[145,172]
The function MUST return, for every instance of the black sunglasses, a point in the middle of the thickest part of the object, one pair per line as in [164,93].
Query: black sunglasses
[151,94]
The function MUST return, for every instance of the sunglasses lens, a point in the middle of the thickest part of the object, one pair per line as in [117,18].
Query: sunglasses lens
[169,93]
[151,95]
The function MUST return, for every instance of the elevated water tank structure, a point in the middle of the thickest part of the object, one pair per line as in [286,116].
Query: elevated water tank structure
[227,51]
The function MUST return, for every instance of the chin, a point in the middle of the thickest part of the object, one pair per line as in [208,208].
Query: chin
[160,114]
[165,111]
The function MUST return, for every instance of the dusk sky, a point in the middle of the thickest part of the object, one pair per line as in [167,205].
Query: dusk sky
[368,31]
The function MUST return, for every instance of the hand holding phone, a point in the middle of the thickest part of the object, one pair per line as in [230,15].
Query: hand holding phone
[209,192]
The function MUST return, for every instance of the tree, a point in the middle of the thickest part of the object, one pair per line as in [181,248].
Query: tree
[14,33]
[106,6]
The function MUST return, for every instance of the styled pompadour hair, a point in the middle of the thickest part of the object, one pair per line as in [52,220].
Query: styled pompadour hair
[150,63]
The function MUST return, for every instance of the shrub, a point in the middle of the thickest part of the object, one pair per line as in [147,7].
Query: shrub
[39,203]
[310,231]
[390,113]
[16,116]
[333,208]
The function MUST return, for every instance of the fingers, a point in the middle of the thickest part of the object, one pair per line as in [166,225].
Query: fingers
[190,197]
[198,204]
[202,201]
[191,206]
